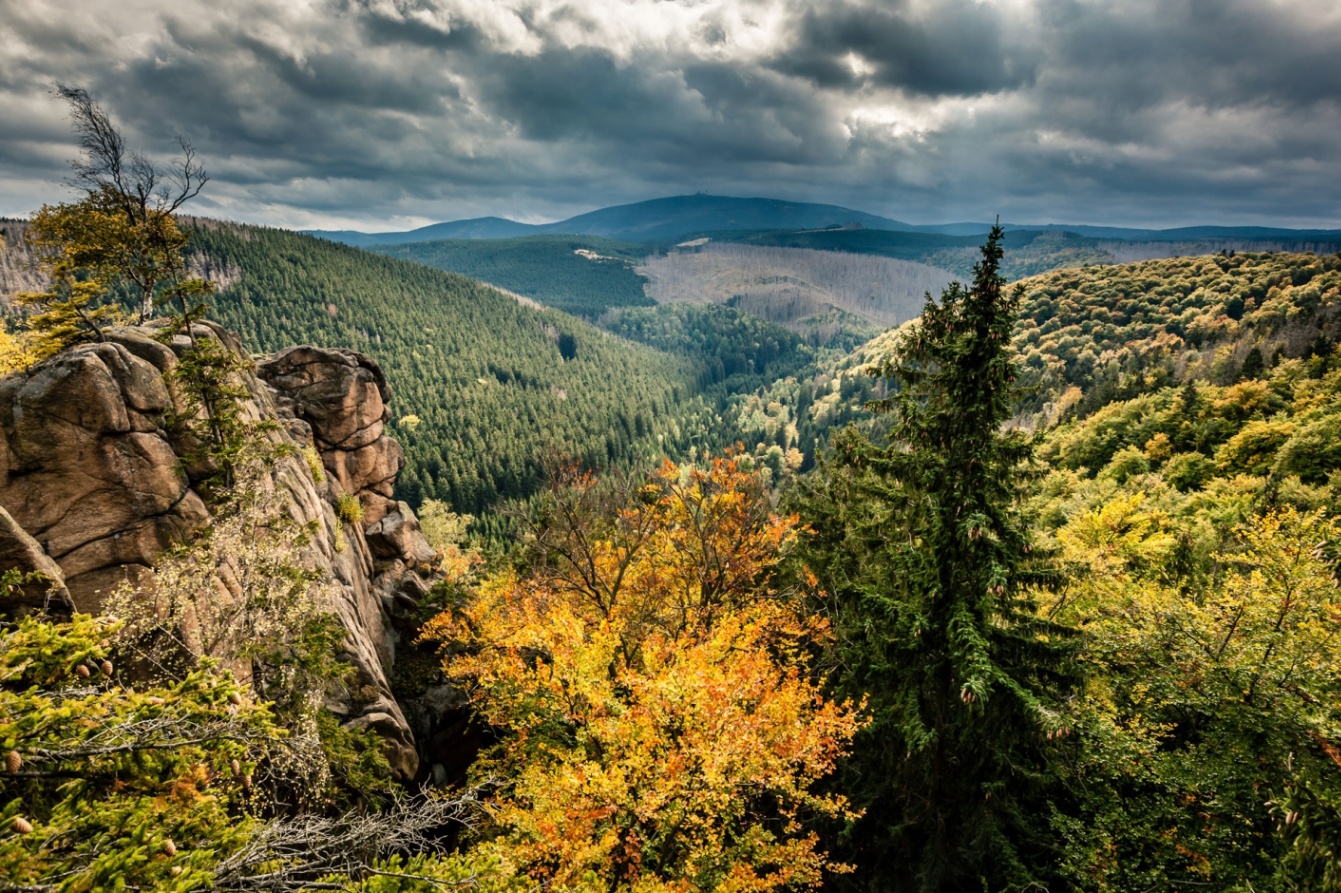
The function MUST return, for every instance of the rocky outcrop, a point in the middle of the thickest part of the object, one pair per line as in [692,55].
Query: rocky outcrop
[86,468]
[94,486]
[343,397]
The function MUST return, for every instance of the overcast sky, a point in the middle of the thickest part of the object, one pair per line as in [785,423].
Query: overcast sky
[388,114]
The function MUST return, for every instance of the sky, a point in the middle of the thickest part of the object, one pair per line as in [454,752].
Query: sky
[390,114]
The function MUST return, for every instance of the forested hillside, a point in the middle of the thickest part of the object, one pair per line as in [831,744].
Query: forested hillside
[17,272]
[484,386]
[582,275]
[793,287]
[737,352]
[953,253]
[1092,335]
[1030,252]
[1119,331]
[828,296]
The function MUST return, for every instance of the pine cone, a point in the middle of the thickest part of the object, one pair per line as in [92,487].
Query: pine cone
[13,762]
[22,825]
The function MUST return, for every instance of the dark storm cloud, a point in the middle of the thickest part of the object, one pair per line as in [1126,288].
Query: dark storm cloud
[583,94]
[682,113]
[1213,52]
[395,111]
[956,48]
[384,29]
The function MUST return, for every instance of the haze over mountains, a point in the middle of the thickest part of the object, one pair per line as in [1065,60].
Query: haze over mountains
[667,220]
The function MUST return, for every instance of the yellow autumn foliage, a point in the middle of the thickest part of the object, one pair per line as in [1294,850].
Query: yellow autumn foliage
[661,725]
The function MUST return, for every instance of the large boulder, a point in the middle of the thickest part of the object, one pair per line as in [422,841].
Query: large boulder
[343,395]
[87,470]
[398,535]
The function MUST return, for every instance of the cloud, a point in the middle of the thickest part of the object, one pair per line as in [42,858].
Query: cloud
[952,48]
[386,113]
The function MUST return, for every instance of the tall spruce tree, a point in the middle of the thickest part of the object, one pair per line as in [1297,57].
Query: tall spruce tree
[928,564]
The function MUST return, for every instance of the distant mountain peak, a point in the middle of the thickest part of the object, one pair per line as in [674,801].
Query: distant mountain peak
[672,219]
[668,220]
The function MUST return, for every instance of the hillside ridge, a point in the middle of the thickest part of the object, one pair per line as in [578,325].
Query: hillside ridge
[671,218]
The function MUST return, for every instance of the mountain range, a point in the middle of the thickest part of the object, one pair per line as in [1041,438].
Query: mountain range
[675,218]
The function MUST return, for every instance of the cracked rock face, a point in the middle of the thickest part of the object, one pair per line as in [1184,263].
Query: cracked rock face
[93,489]
[343,396]
[340,393]
[86,470]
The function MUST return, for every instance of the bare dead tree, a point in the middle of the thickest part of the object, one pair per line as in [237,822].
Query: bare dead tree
[292,854]
[132,178]
[133,185]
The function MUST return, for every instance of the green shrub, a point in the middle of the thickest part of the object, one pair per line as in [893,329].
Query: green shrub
[1253,449]
[1314,451]
[313,460]
[1126,463]
[348,509]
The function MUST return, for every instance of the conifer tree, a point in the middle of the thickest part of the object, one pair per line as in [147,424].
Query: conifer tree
[928,562]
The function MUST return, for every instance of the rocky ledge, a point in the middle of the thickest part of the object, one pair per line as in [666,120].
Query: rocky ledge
[93,487]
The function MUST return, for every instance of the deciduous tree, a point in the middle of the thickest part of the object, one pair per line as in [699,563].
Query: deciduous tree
[650,681]
[121,235]
[1210,723]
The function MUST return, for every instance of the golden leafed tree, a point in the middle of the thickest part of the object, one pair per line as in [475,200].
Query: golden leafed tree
[650,681]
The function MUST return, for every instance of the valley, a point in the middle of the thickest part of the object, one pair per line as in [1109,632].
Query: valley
[611,444]
[629,446]
[614,364]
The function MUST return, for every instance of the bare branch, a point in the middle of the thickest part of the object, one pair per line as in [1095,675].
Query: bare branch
[153,733]
[291,854]
[188,177]
[104,149]
[132,179]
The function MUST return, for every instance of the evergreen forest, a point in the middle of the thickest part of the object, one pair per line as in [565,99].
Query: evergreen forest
[485,386]
[581,275]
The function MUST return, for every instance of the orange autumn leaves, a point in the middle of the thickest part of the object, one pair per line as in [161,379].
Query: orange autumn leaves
[650,679]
